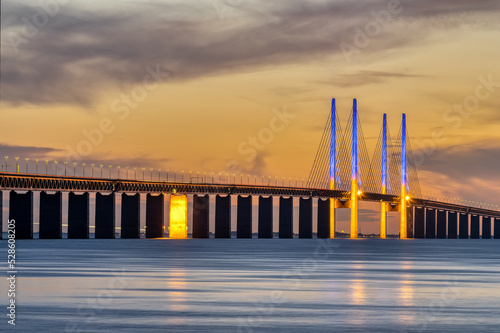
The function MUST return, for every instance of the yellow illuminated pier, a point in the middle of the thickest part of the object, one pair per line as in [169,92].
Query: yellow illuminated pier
[354,208]
[383,219]
[332,211]
[402,227]
[178,217]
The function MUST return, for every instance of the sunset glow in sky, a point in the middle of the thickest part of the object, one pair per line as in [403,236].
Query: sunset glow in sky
[200,85]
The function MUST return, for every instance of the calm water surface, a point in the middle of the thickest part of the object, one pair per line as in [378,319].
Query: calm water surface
[257,285]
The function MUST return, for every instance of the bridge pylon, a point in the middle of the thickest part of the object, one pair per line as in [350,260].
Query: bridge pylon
[404,197]
[383,208]
[333,157]
[354,172]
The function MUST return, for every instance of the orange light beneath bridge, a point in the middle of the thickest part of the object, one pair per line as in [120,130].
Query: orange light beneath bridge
[178,217]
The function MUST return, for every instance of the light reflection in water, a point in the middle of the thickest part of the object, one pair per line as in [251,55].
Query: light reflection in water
[176,295]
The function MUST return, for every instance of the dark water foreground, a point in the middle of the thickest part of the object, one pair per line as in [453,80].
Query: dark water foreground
[256,285]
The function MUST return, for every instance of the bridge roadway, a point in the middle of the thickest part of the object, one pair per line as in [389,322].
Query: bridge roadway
[19,181]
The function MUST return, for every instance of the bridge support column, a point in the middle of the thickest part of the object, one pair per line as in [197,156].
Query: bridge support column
[265,217]
[486,232]
[104,215]
[223,217]
[430,223]
[474,227]
[1,214]
[201,216]
[305,218]
[332,217]
[403,223]
[441,224]
[21,210]
[154,215]
[463,226]
[286,217]
[497,228]
[419,222]
[452,225]
[130,216]
[354,208]
[178,228]
[324,210]
[409,222]
[211,217]
[244,217]
[78,215]
[383,220]
[50,215]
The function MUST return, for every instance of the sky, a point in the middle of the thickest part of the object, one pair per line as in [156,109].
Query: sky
[244,86]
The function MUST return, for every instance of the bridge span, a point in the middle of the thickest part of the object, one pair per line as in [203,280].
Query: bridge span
[342,175]
[426,218]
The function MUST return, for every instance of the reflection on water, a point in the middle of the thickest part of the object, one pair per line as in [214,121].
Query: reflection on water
[257,285]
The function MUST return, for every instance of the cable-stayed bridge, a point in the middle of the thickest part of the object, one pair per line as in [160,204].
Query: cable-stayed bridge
[178,204]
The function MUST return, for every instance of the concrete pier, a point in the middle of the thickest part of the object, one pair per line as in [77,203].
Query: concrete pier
[452,225]
[50,215]
[223,216]
[474,227]
[21,210]
[265,217]
[200,216]
[323,218]
[430,223]
[419,222]
[105,215]
[305,218]
[463,226]
[244,217]
[78,215]
[286,218]
[130,216]
[486,230]
[441,224]
[155,212]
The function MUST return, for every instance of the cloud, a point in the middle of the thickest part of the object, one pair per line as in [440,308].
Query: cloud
[465,171]
[26,151]
[369,77]
[85,49]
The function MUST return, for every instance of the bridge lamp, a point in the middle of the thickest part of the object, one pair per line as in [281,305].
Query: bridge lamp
[174,191]
[101,169]
[407,198]
[74,168]
[360,192]
[17,164]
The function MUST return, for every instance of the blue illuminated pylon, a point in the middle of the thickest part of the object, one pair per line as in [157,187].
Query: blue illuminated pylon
[403,222]
[403,152]
[383,208]
[332,147]
[333,157]
[354,180]
[354,140]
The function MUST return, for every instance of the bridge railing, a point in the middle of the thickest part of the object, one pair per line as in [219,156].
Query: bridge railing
[102,171]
